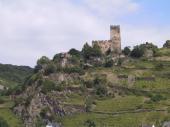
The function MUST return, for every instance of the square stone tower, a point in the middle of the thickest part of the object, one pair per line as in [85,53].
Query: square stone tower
[115,38]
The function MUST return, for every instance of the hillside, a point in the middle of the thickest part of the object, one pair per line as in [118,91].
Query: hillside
[12,76]
[88,89]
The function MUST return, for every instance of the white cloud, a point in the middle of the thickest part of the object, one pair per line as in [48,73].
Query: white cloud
[112,8]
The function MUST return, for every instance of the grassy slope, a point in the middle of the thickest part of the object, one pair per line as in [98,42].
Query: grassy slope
[11,75]
[7,114]
[137,68]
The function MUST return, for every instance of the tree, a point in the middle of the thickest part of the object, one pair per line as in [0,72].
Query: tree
[75,52]
[137,52]
[126,51]
[89,51]
[43,61]
[96,51]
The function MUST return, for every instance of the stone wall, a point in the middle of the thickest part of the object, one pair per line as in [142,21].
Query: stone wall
[104,45]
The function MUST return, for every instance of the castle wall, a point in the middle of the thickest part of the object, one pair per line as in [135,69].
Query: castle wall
[104,45]
[114,44]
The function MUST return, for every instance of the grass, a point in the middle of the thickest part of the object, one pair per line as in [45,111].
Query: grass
[11,119]
[119,104]
[159,83]
[125,120]
[75,99]
[164,52]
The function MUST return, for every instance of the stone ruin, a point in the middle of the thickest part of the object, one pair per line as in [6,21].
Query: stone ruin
[112,45]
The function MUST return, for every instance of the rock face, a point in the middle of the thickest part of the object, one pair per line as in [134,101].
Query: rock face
[34,101]
[167,44]
[114,44]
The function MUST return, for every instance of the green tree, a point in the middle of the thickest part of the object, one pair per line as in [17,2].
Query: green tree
[43,61]
[96,51]
[89,51]
[126,51]
[75,52]
[137,52]
[48,86]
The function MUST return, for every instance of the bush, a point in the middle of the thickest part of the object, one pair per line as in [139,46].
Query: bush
[137,52]
[126,51]
[157,98]
[49,69]
[109,63]
[43,60]
[90,123]
[75,52]
[57,58]
[101,90]
[89,51]
[48,86]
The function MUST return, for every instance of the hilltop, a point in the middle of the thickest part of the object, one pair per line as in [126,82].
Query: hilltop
[101,85]
[87,88]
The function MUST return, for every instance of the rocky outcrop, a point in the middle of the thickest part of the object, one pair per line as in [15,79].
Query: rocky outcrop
[33,101]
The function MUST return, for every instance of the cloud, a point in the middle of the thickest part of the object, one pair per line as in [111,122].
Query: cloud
[32,28]
[112,8]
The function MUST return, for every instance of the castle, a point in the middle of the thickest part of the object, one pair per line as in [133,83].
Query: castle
[112,45]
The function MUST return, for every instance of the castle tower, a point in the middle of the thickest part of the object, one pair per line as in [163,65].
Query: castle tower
[115,37]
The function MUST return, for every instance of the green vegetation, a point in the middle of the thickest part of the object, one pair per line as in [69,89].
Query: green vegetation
[11,75]
[89,51]
[126,51]
[10,118]
[121,92]
[3,123]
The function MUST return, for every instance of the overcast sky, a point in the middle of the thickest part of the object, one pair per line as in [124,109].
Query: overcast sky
[30,29]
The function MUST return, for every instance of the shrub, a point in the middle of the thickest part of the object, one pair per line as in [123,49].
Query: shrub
[89,51]
[90,123]
[101,90]
[109,63]
[75,52]
[126,51]
[137,52]
[49,69]
[48,86]
[157,98]
[57,57]
[43,60]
